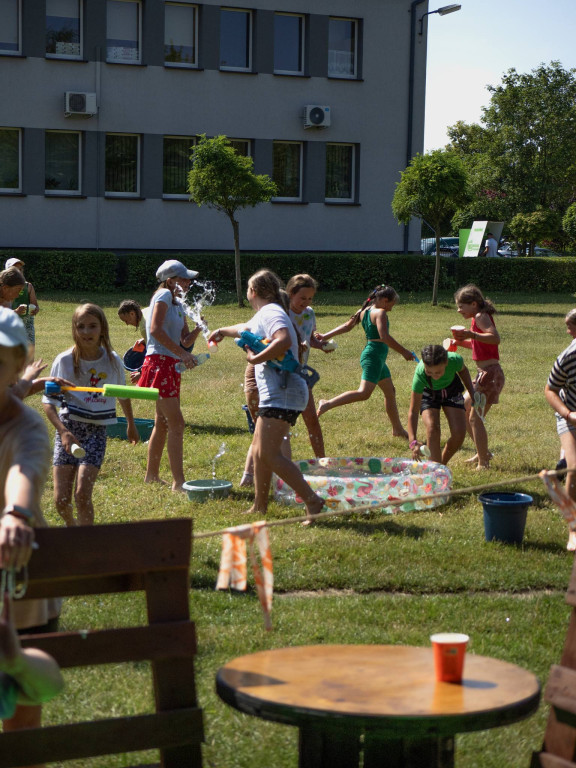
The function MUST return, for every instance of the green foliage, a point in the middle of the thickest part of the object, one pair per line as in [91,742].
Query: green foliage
[91,271]
[535,226]
[569,223]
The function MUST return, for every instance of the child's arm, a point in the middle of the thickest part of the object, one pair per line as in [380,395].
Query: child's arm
[131,430]
[33,299]
[466,379]
[413,414]
[230,330]
[487,334]
[188,338]
[382,325]
[556,402]
[279,344]
[352,322]
[67,438]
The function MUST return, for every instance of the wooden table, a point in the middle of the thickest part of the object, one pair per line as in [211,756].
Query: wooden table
[378,701]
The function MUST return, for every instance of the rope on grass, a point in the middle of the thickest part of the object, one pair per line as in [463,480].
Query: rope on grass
[393,503]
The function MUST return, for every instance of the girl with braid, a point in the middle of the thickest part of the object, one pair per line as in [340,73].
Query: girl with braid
[373,315]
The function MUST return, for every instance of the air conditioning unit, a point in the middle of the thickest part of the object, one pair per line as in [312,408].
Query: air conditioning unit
[80,104]
[316,116]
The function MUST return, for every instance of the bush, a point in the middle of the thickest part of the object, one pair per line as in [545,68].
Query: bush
[93,271]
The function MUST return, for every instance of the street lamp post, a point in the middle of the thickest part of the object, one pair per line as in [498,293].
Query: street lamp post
[446,9]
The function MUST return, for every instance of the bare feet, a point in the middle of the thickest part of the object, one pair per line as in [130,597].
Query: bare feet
[322,407]
[571,546]
[247,480]
[155,480]
[313,508]
[482,467]
[178,488]
[474,458]
[255,511]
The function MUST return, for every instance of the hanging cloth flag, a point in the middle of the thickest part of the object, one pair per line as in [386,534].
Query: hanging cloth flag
[559,496]
[232,571]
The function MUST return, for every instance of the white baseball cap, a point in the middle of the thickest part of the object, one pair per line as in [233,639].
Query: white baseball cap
[12,263]
[173,268]
[12,330]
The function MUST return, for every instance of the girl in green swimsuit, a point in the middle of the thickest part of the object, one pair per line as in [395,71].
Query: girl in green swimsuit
[373,315]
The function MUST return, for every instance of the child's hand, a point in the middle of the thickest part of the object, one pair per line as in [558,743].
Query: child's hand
[132,434]
[21,310]
[461,335]
[319,337]
[135,377]
[407,355]
[16,538]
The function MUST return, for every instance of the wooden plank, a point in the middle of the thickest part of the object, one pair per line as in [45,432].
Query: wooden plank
[561,693]
[102,737]
[87,550]
[171,640]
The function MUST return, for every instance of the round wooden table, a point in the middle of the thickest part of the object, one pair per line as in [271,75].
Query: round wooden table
[378,701]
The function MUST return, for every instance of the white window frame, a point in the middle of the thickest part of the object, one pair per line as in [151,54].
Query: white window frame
[129,195]
[185,64]
[297,199]
[352,198]
[171,195]
[248,143]
[354,75]
[250,14]
[18,51]
[138,60]
[15,190]
[302,18]
[68,192]
[74,56]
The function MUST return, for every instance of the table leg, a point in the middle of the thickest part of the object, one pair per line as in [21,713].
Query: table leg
[407,753]
[319,748]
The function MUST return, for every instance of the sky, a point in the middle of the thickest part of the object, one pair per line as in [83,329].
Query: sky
[474,47]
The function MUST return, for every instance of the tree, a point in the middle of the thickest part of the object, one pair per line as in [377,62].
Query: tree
[534,227]
[431,188]
[523,158]
[224,180]
[569,223]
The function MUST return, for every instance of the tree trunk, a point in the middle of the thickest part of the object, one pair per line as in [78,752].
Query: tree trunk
[436,271]
[239,291]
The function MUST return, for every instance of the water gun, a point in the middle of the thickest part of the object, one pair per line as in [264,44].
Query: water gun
[51,389]
[284,365]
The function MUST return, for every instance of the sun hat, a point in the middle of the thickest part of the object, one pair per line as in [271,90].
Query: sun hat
[12,263]
[12,330]
[173,268]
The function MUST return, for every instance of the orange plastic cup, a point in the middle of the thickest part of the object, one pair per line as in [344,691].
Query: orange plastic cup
[450,345]
[457,328]
[449,653]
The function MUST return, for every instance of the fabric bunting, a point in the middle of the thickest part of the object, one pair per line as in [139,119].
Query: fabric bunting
[233,560]
[559,496]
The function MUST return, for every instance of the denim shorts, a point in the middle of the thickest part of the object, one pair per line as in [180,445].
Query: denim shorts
[451,397]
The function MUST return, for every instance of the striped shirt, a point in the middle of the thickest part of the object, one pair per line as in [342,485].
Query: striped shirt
[562,377]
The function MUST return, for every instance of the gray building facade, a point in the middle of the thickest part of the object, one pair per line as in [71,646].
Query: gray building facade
[101,101]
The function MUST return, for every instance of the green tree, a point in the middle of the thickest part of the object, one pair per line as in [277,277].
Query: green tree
[534,227]
[431,188]
[569,224]
[523,158]
[224,180]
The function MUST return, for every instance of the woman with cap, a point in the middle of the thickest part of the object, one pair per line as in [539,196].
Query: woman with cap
[167,330]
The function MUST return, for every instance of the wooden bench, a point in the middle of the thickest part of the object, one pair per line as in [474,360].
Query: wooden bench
[149,556]
[559,748]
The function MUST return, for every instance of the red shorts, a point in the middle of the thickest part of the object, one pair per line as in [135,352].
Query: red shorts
[158,371]
[490,382]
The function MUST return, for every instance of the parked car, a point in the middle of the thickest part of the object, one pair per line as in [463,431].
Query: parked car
[449,246]
[506,250]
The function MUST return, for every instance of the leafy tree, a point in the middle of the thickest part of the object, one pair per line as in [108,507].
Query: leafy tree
[224,180]
[523,158]
[534,227]
[569,223]
[431,188]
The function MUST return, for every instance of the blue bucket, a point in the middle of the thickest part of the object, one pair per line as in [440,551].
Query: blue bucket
[505,516]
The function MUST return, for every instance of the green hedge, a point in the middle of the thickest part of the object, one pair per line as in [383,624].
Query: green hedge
[126,273]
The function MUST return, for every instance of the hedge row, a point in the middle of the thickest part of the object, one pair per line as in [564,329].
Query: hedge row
[99,271]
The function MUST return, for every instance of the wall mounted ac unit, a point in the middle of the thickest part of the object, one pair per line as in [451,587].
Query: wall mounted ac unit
[80,104]
[316,116]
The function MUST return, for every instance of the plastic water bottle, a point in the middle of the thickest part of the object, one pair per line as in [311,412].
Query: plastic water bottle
[329,345]
[201,358]
[425,451]
[77,451]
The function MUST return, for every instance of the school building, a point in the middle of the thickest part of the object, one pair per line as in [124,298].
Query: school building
[101,101]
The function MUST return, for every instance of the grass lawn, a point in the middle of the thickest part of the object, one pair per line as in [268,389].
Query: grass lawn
[362,579]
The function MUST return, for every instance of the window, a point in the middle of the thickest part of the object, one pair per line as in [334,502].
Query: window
[177,164]
[62,163]
[235,40]
[180,35]
[340,172]
[123,31]
[10,37]
[242,146]
[342,48]
[288,44]
[10,160]
[63,25]
[122,165]
[287,170]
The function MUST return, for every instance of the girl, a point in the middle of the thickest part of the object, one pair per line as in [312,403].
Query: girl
[83,416]
[483,339]
[167,329]
[26,303]
[560,391]
[24,462]
[439,380]
[11,283]
[278,408]
[301,290]
[131,313]
[373,315]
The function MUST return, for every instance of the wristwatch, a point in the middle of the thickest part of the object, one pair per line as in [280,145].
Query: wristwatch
[17,511]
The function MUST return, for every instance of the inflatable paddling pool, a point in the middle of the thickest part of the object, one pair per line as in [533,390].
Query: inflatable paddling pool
[346,483]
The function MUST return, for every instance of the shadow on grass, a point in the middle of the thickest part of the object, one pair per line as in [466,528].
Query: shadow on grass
[384,526]
[215,429]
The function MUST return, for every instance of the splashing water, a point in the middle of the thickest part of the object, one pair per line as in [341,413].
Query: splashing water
[221,452]
[193,307]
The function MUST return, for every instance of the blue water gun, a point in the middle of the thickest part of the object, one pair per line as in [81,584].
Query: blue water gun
[284,365]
